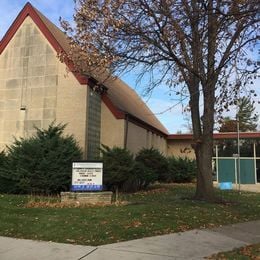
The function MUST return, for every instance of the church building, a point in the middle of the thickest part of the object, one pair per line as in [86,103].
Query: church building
[37,89]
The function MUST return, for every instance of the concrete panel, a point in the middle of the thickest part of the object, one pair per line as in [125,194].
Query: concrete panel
[9,124]
[17,41]
[40,60]
[29,125]
[18,249]
[11,114]
[2,77]
[12,104]
[50,102]
[50,91]
[46,123]
[51,70]
[49,114]
[102,254]
[16,62]
[136,138]
[112,129]
[13,83]
[2,105]
[51,59]
[13,94]
[36,71]
[49,50]
[35,82]
[8,137]
[36,50]
[25,63]
[15,73]
[250,231]
[38,92]
[35,114]
[2,94]
[36,102]
[51,80]
[204,243]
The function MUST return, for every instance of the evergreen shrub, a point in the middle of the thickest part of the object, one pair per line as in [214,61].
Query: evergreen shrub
[181,170]
[155,163]
[118,167]
[5,184]
[40,164]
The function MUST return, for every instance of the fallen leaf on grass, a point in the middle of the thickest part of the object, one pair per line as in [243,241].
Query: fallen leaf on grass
[183,228]
[134,224]
[70,240]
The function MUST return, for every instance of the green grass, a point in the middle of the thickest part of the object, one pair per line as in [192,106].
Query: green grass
[243,253]
[152,213]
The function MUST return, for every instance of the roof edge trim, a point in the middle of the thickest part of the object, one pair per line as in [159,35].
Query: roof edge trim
[224,135]
[118,114]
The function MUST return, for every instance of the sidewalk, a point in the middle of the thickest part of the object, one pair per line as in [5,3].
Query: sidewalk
[194,244]
[243,187]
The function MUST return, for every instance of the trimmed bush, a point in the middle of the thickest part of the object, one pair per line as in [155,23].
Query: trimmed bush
[143,176]
[118,167]
[5,184]
[40,164]
[181,170]
[155,162]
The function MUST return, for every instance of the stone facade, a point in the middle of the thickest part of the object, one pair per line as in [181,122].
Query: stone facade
[84,198]
[35,88]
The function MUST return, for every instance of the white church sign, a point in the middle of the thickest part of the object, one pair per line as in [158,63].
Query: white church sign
[87,176]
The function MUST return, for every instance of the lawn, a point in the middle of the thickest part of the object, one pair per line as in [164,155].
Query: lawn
[159,211]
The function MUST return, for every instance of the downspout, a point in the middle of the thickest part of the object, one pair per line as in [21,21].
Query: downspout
[126,131]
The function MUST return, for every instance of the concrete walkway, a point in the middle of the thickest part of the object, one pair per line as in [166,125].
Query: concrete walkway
[243,187]
[194,244]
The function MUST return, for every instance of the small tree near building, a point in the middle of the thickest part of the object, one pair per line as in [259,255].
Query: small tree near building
[246,116]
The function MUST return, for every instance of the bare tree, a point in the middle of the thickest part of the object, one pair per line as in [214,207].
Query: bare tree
[201,45]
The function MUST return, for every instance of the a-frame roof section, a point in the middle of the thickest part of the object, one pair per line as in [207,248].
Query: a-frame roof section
[53,34]
[120,98]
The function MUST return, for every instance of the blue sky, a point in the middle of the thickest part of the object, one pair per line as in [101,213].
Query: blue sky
[160,101]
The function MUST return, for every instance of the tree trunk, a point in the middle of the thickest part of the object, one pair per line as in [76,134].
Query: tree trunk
[204,154]
[203,139]
[204,147]
[116,194]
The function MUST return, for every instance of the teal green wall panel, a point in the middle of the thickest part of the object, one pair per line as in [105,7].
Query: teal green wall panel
[247,171]
[226,170]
